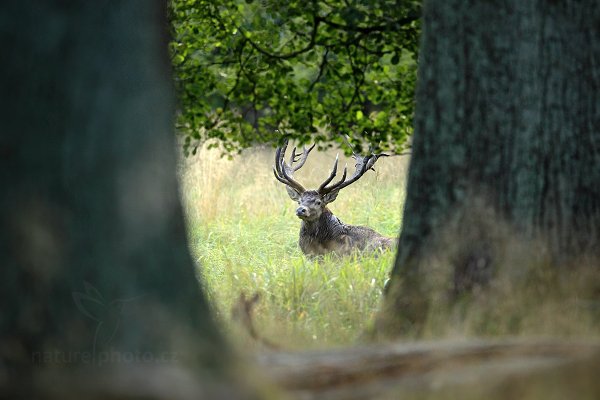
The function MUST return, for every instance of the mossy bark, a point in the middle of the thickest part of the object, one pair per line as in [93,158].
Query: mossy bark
[508,116]
[94,254]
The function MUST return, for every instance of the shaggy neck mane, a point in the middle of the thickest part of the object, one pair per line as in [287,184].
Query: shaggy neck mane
[326,227]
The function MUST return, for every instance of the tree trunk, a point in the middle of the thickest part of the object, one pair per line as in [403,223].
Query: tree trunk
[96,269]
[506,147]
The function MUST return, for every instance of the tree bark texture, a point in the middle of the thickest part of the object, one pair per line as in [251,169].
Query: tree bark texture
[507,133]
[94,253]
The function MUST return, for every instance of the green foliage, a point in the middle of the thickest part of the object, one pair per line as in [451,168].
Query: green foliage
[313,69]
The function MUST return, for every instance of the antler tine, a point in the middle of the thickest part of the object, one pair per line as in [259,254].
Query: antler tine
[277,167]
[279,164]
[293,156]
[343,178]
[282,171]
[342,183]
[331,175]
[363,164]
[302,156]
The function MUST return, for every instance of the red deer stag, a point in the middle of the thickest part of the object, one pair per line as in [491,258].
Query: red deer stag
[321,231]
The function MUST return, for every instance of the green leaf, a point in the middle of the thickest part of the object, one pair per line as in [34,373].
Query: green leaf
[238,92]
[178,59]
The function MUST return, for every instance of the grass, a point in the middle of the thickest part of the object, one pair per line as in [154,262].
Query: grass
[243,234]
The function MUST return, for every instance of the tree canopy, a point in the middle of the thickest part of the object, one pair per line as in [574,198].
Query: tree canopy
[247,70]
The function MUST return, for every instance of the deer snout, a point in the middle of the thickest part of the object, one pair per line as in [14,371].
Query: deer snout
[302,211]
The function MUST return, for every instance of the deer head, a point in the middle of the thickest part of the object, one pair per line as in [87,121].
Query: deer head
[311,203]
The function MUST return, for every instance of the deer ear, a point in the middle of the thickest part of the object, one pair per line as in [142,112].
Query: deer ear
[330,197]
[292,193]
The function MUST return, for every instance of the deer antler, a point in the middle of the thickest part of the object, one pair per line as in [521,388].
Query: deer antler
[363,164]
[284,172]
[302,157]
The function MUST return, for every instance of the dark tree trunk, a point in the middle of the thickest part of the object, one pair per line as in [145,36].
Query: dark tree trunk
[95,264]
[506,144]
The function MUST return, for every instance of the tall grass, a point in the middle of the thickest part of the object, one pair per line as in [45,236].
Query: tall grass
[243,234]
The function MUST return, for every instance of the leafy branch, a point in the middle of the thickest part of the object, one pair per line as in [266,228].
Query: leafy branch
[245,69]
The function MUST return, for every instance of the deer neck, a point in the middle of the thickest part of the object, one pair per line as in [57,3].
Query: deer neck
[326,227]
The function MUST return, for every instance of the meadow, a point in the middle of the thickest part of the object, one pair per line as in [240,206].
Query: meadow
[243,234]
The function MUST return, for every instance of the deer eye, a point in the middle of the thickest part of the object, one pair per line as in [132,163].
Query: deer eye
[318,202]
